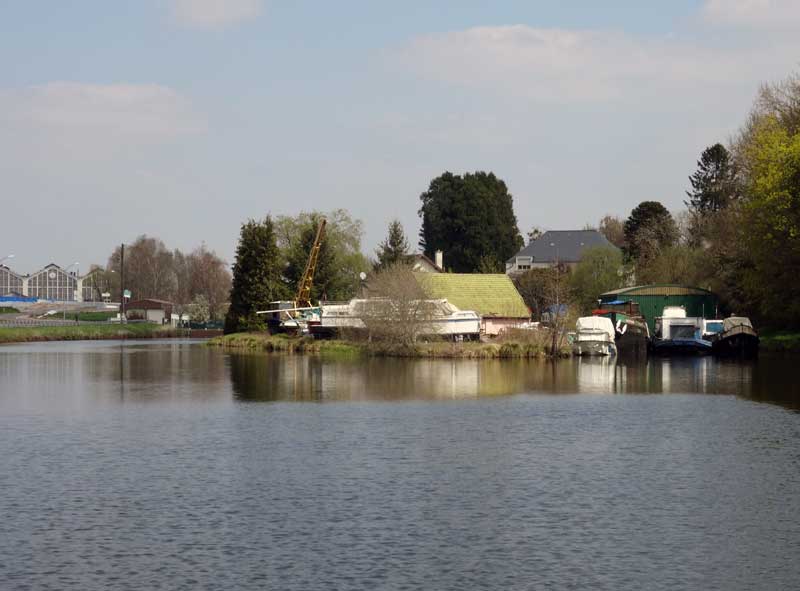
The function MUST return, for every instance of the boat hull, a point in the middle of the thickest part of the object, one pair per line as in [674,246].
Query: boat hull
[681,347]
[740,344]
[594,348]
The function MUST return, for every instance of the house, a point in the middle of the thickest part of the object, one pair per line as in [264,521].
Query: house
[150,310]
[492,296]
[556,247]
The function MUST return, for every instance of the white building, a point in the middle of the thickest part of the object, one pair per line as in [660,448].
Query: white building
[51,283]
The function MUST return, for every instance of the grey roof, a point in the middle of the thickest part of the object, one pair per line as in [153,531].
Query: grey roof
[564,246]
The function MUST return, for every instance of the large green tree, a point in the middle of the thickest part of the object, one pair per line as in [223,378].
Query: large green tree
[771,221]
[600,270]
[340,258]
[713,183]
[471,219]
[649,228]
[394,249]
[256,276]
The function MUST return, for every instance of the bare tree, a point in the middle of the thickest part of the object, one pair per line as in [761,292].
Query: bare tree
[398,310]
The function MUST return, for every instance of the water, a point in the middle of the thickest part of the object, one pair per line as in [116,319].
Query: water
[173,466]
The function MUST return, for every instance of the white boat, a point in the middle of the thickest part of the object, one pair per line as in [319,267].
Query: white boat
[594,335]
[444,319]
[677,334]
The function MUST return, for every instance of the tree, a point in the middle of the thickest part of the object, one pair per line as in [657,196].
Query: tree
[713,183]
[394,248]
[613,229]
[208,277]
[649,228]
[398,309]
[771,220]
[149,269]
[340,258]
[468,218]
[199,310]
[600,270]
[256,276]
[534,233]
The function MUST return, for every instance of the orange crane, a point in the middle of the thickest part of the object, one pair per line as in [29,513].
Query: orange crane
[303,297]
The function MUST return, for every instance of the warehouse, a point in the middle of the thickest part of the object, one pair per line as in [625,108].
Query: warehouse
[652,300]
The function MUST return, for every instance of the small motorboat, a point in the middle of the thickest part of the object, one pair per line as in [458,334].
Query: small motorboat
[594,335]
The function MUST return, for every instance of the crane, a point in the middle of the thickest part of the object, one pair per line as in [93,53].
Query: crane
[303,297]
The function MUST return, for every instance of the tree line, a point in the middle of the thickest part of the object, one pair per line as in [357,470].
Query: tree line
[738,235]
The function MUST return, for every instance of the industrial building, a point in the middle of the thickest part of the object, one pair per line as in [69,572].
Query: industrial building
[652,300]
[52,283]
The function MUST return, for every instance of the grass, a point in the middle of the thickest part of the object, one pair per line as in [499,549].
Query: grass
[8,310]
[85,333]
[528,348]
[780,342]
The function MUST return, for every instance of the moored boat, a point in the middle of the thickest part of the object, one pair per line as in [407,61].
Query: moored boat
[677,334]
[594,335]
[738,338]
[631,334]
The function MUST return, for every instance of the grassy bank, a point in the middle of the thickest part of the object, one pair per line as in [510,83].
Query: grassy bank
[435,350]
[85,333]
[780,342]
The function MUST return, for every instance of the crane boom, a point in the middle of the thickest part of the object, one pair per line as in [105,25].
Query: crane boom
[303,297]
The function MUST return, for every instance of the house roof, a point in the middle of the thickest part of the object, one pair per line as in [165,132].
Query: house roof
[486,294]
[659,289]
[562,246]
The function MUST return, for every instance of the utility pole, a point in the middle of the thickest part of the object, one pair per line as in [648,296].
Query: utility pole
[122,284]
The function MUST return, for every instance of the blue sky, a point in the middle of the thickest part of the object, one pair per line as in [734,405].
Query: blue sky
[182,118]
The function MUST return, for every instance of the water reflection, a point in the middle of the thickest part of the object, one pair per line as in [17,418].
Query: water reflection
[263,378]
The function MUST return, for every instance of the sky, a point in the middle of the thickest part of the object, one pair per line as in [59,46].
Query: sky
[181,119]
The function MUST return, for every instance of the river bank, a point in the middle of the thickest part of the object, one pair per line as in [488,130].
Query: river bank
[780,342]
[90,332]
[509,349]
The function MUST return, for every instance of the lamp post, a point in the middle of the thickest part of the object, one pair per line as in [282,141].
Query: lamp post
[64,307]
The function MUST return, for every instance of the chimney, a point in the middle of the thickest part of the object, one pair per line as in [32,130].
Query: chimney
[440,259]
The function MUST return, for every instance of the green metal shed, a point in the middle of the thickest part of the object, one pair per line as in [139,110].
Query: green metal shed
[653,299]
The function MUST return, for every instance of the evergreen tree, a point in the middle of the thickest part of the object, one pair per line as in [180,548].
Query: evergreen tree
[713,181]
[394,249]
[470,219]
[649,228]
[256,276]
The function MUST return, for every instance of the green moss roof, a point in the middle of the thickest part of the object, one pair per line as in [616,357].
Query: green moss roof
[488,295]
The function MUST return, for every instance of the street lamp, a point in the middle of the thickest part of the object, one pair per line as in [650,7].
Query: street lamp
[11,256]
[64,308]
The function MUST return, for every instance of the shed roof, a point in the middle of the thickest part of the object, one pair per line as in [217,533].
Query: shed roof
[486,294]
[665,289]
[562,246]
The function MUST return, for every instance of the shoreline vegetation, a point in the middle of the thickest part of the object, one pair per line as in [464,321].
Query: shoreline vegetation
[281,343]
[88,333]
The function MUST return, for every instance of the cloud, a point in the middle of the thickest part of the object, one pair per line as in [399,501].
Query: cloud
[753,14]
[205,14]
[556,65]
[143,110]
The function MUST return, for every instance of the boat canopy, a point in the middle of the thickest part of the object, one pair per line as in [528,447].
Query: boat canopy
[674,312]
[595,324]
[735,321]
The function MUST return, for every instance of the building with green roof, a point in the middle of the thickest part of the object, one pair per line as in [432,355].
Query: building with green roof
[492,296]
[652,300]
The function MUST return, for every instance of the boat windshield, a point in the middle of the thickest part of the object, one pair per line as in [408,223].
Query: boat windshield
[682,331]
[713,327]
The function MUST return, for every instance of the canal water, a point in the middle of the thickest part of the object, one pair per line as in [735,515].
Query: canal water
[170,465]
